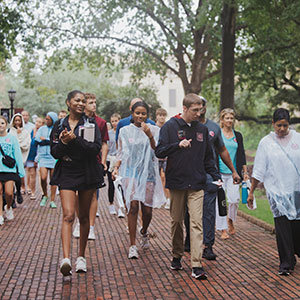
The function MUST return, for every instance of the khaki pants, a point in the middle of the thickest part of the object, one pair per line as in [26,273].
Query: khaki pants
[194,201]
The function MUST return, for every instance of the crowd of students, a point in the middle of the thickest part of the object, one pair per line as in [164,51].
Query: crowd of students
[179,164]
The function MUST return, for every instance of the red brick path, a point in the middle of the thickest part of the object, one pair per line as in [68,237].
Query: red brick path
[30,252]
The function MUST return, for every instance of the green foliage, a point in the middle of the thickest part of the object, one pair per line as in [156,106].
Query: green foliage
[46,91]
[11,25]
[252,133]
[141,36]
[272,34]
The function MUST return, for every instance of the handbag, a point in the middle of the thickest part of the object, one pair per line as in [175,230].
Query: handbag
[222,202]
[7,160]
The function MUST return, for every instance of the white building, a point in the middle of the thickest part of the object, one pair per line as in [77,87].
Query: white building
[170,92]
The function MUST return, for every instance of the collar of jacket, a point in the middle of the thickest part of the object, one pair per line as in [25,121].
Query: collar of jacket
[178,118]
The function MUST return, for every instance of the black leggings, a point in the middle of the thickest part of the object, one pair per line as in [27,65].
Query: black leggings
[18,186]
[288,241]
[111,187]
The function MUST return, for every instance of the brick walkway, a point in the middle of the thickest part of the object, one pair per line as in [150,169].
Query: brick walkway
[30,252]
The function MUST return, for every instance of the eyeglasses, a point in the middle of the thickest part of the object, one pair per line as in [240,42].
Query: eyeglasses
[196,110]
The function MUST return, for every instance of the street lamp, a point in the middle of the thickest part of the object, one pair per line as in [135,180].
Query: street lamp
[11,96]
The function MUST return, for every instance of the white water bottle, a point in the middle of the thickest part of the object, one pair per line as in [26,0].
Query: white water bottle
[89,131]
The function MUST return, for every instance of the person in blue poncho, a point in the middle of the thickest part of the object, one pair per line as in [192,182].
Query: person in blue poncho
[9,146]
[46,162]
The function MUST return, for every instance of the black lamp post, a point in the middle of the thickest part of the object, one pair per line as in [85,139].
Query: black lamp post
[11,96]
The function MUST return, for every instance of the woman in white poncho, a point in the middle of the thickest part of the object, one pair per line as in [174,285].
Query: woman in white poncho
[277,165]
[138,167]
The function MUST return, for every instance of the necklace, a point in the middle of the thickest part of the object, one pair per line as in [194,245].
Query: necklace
[228,134]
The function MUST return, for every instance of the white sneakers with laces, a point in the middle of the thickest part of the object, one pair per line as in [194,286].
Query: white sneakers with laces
[121,213]
[112,209]
[133,253]
[9,213]
[144,241]
[80,264]
[92,233]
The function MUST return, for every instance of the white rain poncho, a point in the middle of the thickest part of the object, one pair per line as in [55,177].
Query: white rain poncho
[139,166]
[279,175]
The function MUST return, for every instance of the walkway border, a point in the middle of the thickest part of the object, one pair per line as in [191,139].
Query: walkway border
[257,222]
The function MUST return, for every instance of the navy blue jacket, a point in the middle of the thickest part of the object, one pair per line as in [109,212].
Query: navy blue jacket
[186,167]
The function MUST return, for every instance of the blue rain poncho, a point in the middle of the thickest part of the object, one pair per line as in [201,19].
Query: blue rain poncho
[279,175]
[139,166]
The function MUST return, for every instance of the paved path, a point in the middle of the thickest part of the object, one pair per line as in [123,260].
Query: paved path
[30,252]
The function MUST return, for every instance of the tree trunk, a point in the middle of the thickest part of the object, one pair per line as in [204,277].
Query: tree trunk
[228,44]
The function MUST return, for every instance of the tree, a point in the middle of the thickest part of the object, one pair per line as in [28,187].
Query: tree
[228,47]
[160,36]
[11,26]
[272,33]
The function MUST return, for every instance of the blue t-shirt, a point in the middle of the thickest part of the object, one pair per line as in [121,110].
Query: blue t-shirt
[231,145]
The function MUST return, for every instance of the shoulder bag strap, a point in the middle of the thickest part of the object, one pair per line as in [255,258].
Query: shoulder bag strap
[288,156]
[1,150]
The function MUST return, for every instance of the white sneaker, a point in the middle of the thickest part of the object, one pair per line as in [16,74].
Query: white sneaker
[1,220]
[97,214]
[133,253]
[80,264]
[121,213]
[167,205]
[92,234]
[9,213]
[112,209]
[144,241]
[76,231]
[65,267]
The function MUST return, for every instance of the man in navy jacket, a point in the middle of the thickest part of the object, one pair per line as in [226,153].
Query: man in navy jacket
[185,142]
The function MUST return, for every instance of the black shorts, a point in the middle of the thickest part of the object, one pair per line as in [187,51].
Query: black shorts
[7,176]
[80,187]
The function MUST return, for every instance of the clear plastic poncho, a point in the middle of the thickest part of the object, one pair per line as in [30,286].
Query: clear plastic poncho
[279,175]
[139,166]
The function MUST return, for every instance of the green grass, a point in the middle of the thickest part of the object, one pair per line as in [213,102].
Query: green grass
[263,211]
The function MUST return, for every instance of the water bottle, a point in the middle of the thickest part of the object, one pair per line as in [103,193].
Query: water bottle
[89,131]
[244,192]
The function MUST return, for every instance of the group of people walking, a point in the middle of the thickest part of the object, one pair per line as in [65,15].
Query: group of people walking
[181,163]
[27,147]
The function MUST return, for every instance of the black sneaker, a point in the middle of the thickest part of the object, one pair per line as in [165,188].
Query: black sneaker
[199,273]
[284,272]
[209,254]
[176,264]
[20,199]
[14,205]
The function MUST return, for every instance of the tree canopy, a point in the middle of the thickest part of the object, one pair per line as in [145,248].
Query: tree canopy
[180,36]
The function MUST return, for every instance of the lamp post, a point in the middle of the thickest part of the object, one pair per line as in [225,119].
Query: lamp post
[11,96]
